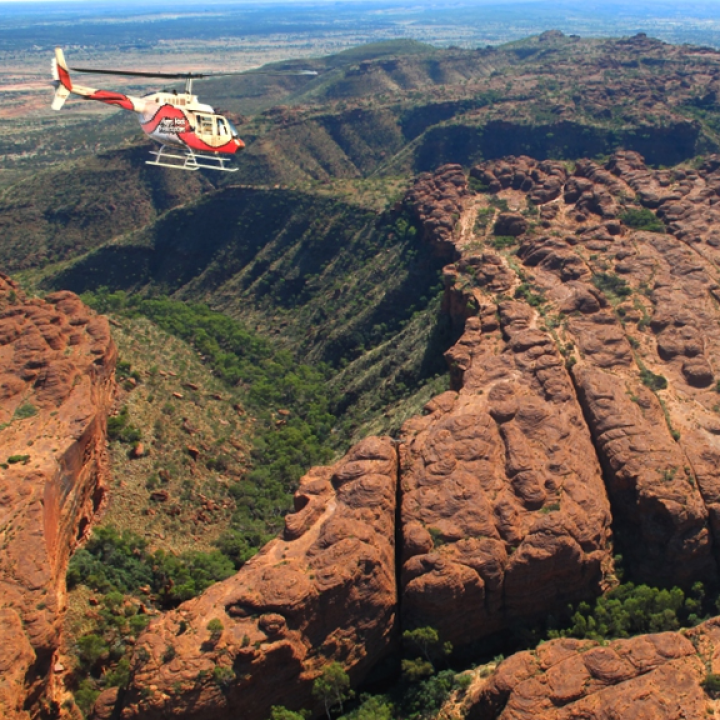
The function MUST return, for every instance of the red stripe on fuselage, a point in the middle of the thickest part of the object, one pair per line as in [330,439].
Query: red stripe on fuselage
[165,112]
[194,142]
[112,98]
[186,136]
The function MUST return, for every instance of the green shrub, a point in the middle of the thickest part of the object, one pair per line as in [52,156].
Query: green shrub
[611,284]
[223,676]
[14,459]
[372,707]
[215,628]
[651,380]
[500,242]
[525,292]
[119,428]
[278,712]
[642,219]
[26,410]
[332,687]
[711,685]
[86,695]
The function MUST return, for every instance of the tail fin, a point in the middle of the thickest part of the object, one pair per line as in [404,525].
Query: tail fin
[61,76]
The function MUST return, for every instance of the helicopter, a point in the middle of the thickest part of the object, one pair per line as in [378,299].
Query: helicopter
[191,134]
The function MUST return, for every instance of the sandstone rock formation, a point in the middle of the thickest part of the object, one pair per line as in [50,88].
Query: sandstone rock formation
[326,590]
[57,364]
[437,200]
[582,392]
[504,512]
[634,312]
[649,676]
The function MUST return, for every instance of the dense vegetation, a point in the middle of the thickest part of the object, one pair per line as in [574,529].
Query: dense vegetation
[121,566]
[267,381]
[633,609]
[113,562]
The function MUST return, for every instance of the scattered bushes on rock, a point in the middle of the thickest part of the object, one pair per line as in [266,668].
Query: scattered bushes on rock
[611,285]
[26,410]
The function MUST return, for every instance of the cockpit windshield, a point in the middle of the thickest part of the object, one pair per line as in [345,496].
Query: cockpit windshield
[233,130]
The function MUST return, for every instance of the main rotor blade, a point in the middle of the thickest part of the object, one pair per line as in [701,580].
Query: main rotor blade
[185,76]
[136,73]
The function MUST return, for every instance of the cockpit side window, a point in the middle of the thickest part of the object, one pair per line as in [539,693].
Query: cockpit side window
[222,127]
[204,124]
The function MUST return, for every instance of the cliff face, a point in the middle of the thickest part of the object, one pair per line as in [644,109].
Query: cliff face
[56,385]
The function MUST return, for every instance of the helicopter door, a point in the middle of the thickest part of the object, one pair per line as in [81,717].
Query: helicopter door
[204,125]
[222,128]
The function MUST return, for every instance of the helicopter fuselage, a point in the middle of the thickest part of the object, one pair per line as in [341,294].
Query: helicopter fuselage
[181,121]
[170,118]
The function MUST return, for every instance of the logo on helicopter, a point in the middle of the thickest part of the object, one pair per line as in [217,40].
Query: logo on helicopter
[172,126]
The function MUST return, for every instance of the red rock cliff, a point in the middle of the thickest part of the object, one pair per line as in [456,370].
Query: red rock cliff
[57,364]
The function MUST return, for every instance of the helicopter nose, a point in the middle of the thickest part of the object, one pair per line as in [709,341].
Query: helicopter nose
[239,143]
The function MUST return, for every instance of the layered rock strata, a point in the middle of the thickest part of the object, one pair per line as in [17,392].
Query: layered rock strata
[57,365]
[324,591]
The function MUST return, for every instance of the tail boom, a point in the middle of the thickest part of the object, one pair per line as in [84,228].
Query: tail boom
[64,87]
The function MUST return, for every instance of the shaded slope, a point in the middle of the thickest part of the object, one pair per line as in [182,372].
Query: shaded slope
[63,212]
[329,280]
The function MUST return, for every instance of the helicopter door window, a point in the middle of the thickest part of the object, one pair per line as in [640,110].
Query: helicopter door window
[205,124]
[222,127]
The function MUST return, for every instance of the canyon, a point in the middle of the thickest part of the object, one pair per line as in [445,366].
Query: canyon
[577,439]
[582,420]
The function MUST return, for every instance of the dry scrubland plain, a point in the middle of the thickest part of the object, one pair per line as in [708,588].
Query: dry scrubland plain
[485,365]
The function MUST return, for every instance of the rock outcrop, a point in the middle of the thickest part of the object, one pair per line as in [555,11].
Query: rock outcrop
[57,364]
[649,676]
[634,311]
[325,591]
[504,512]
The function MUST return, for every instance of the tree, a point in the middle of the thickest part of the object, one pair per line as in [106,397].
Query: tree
[215,628]
[278,712]
[332,687]
[427,641]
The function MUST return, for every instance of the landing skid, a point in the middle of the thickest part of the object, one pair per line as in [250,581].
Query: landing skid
[189,160]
